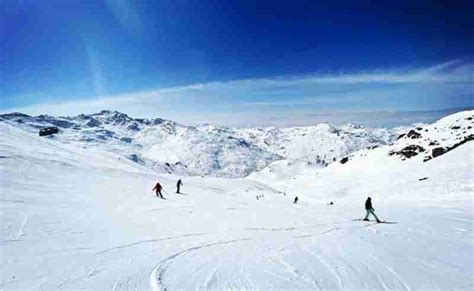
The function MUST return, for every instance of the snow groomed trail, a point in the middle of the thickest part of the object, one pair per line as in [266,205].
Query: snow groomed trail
[74,218]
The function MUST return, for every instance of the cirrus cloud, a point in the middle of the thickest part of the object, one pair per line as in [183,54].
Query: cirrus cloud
[289,100]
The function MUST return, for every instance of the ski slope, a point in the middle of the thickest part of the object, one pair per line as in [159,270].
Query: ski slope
[84,218]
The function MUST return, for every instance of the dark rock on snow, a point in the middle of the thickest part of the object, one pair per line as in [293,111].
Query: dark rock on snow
[413,134]
[409,151]
[438,152]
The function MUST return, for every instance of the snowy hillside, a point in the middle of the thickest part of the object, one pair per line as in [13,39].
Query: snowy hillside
[411,156]
[168,147]
[430,141]
[75,217]
[320,144]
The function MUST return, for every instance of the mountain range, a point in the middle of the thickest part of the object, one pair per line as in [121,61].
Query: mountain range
[205,150]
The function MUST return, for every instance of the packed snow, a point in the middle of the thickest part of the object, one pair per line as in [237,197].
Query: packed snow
[80,215]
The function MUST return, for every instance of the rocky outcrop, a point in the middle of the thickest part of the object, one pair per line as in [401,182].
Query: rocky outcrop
[413,134]
[436,152]
[408,152]
[344,160]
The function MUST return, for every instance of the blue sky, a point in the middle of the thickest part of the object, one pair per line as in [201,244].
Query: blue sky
[236,62]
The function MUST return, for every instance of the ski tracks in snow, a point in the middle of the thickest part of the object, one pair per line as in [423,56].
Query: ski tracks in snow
[20,233]
[158,273]
[393,272]
[148,241]
[157,276]
[333,271]
[333,229]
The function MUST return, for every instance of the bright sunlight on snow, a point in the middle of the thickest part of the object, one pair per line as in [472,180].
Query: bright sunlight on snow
[78,213]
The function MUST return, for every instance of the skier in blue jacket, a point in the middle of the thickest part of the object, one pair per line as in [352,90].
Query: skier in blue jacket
[370,210]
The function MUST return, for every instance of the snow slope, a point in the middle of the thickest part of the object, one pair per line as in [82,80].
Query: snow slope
[168,147]
[415,149]
[80,218]
[319,144]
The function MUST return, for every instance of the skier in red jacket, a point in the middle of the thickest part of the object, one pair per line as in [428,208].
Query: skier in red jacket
[158,190]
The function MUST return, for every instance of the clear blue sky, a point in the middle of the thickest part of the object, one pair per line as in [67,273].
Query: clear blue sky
[318,55]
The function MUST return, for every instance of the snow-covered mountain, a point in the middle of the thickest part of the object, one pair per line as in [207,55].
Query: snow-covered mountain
[320,144]
[423,143]
[169,147]
[409,159]
[67,201]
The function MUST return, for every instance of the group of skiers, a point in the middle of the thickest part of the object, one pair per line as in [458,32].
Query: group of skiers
[158,188]
[368,203]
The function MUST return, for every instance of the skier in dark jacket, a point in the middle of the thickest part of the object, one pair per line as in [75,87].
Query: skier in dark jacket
[178,185]
[158,189]
[370,210]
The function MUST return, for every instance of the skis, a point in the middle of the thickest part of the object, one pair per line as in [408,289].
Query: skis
[382,221]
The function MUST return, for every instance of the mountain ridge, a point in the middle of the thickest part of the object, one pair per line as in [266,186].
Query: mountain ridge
[170,147]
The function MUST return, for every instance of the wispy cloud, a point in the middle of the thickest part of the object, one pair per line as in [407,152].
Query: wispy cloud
[288,100]
[125,13]
[95,71]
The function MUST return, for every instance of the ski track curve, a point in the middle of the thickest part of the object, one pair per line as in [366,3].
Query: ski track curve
[333,229]
[157,275]
[148,241]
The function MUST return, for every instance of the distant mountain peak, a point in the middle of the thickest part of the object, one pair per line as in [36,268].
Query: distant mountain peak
[13,115]
[114,117]
[107,111]
[353,126]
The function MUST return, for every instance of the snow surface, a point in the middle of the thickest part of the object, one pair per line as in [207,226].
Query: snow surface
[75,217]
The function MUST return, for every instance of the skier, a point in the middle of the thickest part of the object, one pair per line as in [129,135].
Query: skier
[370,210]
[158,190]
[178,185]
[296,200]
